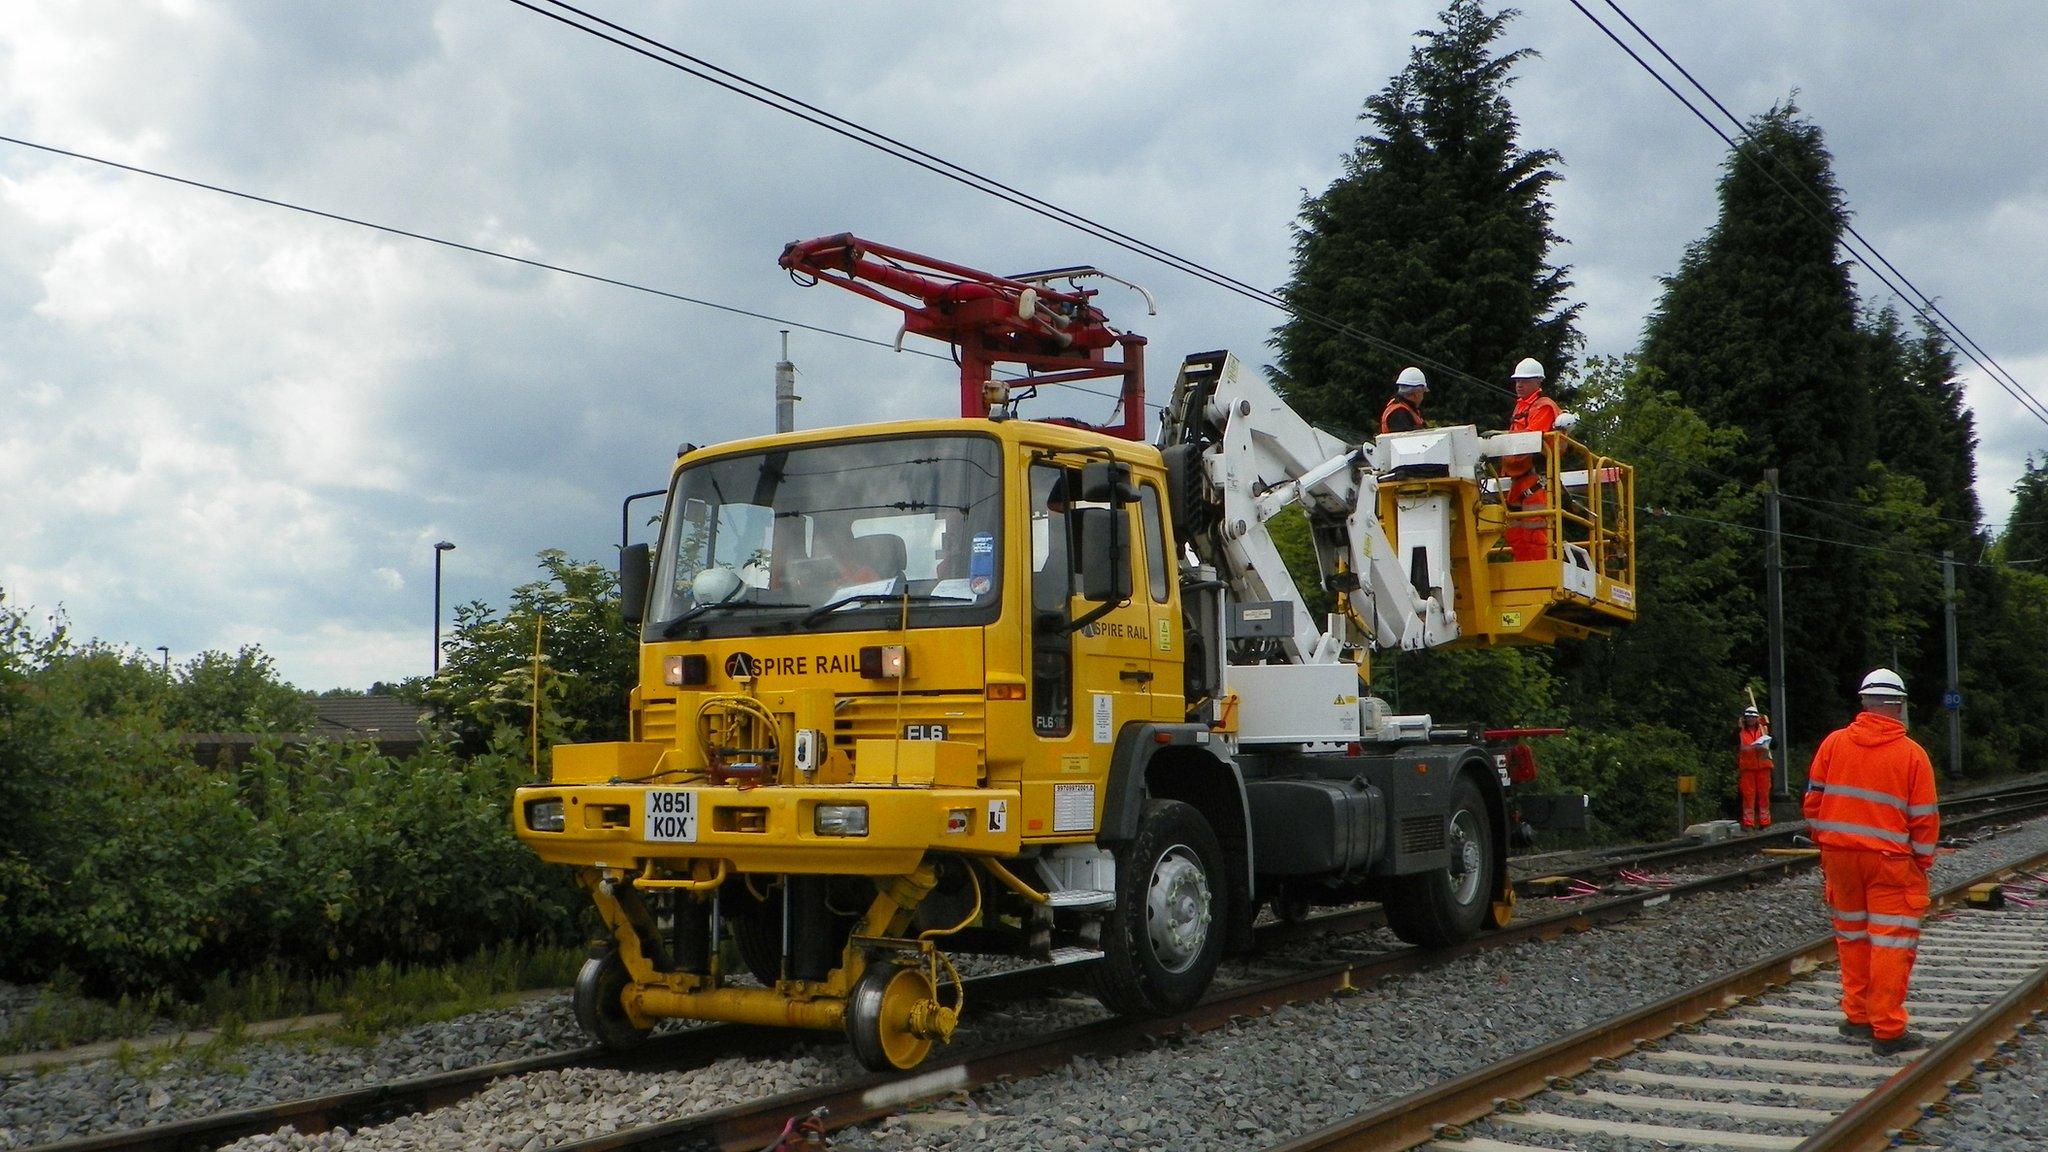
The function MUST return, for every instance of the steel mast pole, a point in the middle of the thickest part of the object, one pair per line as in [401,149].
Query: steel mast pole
[1774,559]
[1953,700]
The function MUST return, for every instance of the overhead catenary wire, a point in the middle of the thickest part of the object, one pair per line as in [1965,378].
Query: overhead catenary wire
[672,57]
[617,281]
[771,97]
[698,301]
[479,250]
[1666,513]
[1953,327]
[2026,399]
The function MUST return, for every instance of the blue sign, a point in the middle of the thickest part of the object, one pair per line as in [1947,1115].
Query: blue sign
[1953,701]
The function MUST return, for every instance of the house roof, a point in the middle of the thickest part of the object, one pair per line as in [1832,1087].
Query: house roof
[368,716]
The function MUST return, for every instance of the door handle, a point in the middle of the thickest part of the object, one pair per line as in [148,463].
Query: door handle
[1135,675]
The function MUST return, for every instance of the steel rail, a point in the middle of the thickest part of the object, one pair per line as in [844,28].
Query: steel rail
[2025,798]
[1870,1122]
[748,1126]
[1416,1118]
[378,1103]
[697,1047]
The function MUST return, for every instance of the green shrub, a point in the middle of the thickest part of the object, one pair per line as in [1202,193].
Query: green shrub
[1631,776]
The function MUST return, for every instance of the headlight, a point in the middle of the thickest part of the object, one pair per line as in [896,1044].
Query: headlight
[841,820]
[545,816]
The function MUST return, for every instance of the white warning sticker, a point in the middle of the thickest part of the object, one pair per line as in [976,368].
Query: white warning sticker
[998,815]
[1105,718]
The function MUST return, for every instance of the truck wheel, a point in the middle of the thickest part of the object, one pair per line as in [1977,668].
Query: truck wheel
[1162,941]
[1450,905]
[598,1008]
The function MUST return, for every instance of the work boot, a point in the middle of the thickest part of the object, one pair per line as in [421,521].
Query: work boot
[1893,1045]
[1851,1030]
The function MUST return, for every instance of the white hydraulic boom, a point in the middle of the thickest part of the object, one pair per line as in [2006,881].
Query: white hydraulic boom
[1260,457]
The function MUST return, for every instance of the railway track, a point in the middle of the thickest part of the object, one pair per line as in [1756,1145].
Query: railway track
[1751,1061]
[876,1096]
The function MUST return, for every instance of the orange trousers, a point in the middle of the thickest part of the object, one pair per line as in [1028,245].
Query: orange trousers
[1876,901]
[1755,787]
[1527,539]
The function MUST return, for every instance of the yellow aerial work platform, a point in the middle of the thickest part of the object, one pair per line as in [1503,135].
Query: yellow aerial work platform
[1576,572]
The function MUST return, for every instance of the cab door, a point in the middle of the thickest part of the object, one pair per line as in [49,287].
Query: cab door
[1087,682]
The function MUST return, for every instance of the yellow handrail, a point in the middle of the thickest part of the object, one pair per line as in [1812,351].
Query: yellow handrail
[717,877]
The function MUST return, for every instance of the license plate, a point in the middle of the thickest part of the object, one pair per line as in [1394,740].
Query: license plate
[669,815]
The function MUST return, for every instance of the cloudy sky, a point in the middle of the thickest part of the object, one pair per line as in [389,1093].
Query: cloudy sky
[223,423]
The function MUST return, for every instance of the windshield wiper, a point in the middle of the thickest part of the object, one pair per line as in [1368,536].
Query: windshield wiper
[829,607]
[670,629]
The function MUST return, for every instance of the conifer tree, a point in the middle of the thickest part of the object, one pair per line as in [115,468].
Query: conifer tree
[2025,540]
[1436,238]
[1757,330]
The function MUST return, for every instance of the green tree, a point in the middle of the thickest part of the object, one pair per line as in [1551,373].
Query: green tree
[1922,424]
[2025,539]
[216,692]
[1682,666]
[588,661]
[1757,330]
[1437,238]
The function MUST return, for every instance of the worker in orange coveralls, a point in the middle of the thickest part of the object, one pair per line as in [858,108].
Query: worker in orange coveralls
[1870,804]
[1534,412]
[1753,768]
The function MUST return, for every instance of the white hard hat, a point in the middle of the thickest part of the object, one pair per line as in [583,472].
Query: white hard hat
[1883,684]
[1529,369]
[1751,711]
[1411,377]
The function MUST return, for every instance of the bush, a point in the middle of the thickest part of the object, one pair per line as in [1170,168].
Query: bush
[313,859]
[1631,775]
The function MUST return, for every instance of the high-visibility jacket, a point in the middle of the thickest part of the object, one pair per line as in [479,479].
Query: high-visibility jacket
[1533,413]
[1748,758]
[1871,787]
[1400,416]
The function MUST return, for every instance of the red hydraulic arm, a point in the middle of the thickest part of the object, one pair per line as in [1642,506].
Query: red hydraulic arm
[1058,336]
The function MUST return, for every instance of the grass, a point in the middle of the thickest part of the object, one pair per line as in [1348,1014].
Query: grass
[371,1002]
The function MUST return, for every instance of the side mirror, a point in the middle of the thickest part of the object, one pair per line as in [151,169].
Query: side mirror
[633,573]
[1107,482]
[1105,567]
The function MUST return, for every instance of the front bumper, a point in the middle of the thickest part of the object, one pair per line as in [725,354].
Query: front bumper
[771,829]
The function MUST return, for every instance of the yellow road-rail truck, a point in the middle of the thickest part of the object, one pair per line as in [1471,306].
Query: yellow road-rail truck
[1040,688]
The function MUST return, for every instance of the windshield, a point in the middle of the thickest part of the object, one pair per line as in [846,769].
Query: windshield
[828,536]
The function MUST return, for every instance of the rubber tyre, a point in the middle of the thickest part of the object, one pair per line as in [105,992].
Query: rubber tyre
[877,1022]
[1139,975]
[598,1009]
[1429,910]
[756,927]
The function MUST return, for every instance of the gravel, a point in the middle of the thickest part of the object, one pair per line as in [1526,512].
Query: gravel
[1251,1083]
[2010,1112]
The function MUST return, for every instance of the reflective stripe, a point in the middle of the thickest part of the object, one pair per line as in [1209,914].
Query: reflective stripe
[1852,935]
[1909,943]
[1875,797]
[1925,847]
[1912,922]
[1816,786]
[1841,915]
[1923,809]
[1861,830]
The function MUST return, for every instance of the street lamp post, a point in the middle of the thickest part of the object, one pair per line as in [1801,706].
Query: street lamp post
[166,650]
[439,550]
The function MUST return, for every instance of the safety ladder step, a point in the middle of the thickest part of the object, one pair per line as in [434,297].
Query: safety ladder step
[1074,955]
[1079,898]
